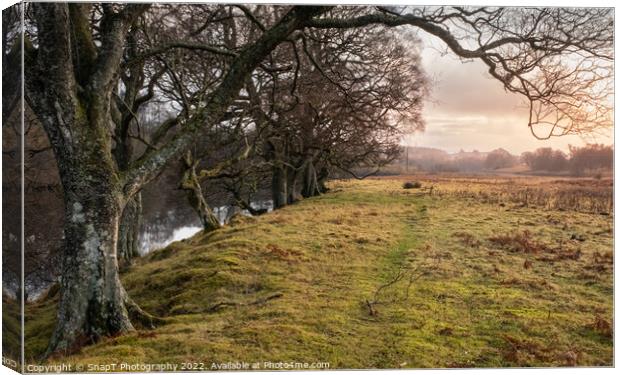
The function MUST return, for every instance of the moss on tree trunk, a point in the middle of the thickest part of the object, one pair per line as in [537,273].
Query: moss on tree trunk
[195,196]
[92,301]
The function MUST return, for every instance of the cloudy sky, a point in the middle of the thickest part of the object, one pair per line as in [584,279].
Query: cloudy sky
[469,110]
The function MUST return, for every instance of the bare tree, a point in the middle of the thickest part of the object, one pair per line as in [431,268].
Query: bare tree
[592,157]
[560,60]
[499,158]
[345,101]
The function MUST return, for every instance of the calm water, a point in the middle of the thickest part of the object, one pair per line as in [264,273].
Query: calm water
[159,229]
[177,225]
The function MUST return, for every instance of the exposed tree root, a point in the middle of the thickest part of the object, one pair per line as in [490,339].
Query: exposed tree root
[137,315]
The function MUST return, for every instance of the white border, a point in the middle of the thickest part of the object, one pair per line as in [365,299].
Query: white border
[552,3]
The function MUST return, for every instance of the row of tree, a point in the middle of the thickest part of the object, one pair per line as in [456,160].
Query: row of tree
[249,95]
[325,100]
[590,158]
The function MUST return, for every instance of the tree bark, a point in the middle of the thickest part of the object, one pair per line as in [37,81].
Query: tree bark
[196,199]
[129,230]
[274,155]
[191,184]
[292,175]
[279,186]
[310,181]
[92,301]
[322,177]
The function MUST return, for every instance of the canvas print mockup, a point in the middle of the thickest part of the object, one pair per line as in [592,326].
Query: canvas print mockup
[220,186]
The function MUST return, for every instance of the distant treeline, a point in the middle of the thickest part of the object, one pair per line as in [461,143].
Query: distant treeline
[580,160]
[591,158]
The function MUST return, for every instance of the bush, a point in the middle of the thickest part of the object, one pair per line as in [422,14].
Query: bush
[412,185]
[519,242]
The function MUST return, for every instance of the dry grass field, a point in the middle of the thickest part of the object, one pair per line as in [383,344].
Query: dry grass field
[461,272]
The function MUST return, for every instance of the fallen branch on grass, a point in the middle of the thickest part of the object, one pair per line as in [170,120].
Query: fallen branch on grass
[404,273]
[260,301]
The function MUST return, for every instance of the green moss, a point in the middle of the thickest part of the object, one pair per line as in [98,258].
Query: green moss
[477,305]
[11,331]
[39,325]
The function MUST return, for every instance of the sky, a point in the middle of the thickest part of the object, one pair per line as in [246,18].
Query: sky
[469,110]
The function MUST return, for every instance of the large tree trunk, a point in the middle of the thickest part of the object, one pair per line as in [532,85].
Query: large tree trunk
[274,154]
[92,301]
[279,186]
[191,184]
[293,194]
[129,230]
[310,181]
[322,177]
[199,204]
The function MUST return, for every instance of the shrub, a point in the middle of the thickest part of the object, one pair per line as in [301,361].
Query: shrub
[519,242]
[602,327]
[467,239]
[412,185]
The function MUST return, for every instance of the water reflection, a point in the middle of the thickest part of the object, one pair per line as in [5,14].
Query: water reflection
[179,224]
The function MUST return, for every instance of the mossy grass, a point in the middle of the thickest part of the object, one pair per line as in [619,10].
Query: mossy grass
[291,285]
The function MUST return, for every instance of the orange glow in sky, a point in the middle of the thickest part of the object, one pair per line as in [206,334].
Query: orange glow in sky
[471,111]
